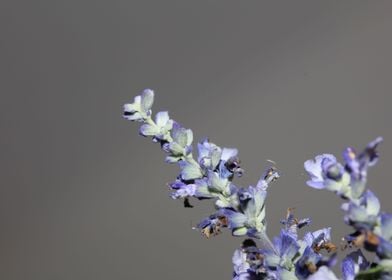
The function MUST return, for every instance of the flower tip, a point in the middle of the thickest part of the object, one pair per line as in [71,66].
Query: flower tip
[373,144]
[147,99]
[379,139]
[148,92]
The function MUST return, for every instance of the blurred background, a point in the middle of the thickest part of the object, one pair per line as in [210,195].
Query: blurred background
[82,196]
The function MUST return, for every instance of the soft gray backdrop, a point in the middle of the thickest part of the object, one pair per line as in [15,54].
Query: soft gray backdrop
[82,196]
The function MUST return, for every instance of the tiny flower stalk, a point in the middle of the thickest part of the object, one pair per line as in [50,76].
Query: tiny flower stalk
[210,176]
[242,210]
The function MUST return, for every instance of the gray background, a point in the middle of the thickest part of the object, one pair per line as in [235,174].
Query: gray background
[82,196]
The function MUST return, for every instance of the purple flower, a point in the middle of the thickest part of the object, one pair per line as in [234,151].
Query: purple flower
[326,173]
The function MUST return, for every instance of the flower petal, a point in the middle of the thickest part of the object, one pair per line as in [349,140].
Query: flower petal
[175,148]
[162,118]
[239,231]
[323,273]
[148,130]
[372,203]
[147,99]
[235,219]
[179,135]
[190,171]
[371,152]
[228,153]
[386,226]
[215,183]
[202,190]
[348,269]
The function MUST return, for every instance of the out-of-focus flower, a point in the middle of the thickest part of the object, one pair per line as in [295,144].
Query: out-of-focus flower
[362,213]
[384,232]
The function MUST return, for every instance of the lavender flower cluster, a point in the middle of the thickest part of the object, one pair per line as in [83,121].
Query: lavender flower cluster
[242,210]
